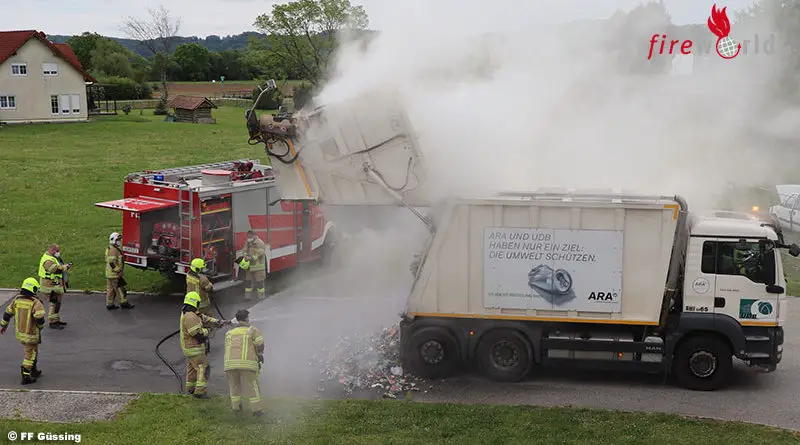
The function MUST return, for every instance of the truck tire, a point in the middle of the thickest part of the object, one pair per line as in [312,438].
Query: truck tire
[432,353]
[504,356]
[703,363]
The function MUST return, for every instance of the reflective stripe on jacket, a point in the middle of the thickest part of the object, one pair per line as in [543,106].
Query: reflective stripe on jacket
[242,346]
[257,252]
[192,323]
[51,272]
[114,256]
[26,310]
[201,284]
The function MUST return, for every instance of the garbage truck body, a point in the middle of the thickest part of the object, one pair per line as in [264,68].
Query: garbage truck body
[516,281]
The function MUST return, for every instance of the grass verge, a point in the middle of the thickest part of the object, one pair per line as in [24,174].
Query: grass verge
[173,419]
[51,176]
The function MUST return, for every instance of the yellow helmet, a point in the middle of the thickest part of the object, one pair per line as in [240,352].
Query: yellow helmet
[31,284]
[244,264]
[197,265]
[192,299]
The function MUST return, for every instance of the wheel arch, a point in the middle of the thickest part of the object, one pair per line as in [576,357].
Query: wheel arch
[697,324]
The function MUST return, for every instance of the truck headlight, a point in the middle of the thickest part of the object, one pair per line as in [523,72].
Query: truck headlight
[780,348]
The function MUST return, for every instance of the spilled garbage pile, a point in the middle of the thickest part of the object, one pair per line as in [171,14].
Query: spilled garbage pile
[367,362]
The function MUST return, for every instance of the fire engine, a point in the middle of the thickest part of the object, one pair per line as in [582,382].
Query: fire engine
[173,215]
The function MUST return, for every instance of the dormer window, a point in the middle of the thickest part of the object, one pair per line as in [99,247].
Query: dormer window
[19,69]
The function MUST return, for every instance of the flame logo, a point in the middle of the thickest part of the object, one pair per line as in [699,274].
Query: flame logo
[720,26]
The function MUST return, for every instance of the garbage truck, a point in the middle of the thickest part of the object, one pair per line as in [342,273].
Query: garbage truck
[516,281]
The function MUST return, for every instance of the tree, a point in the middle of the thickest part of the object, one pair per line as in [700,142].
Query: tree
[109,58]
[304,34]
[632,32]
[83,45]
[194,61]
[158,34]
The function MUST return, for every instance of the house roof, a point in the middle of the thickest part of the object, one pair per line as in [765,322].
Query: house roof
[190,102]
[12,41]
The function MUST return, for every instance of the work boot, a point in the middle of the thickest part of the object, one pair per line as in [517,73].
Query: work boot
[126,305]
[201,395]
[258,413]
[27,377]
[55,325]
[62,323]
[112,307]
[35,372]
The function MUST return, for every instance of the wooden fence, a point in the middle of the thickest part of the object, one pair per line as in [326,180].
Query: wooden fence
[149,104]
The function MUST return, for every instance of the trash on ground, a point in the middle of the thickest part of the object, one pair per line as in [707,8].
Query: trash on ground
[367,362]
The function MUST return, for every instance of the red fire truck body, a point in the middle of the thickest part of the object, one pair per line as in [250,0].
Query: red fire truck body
[171,216]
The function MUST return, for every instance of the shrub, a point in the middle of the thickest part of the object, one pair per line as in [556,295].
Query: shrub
[302,95]
[161,107]
[122,88]
[271,100]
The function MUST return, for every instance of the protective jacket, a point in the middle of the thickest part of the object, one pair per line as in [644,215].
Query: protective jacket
[197,282]
[257,252]
[50,271]
[29,313]
[114,262]
[243,347]
[194,332]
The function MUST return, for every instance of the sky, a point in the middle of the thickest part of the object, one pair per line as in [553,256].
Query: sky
[224,17]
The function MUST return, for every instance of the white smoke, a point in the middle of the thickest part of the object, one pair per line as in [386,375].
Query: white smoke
[541,106]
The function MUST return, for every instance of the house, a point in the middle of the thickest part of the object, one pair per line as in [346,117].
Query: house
[40,81]
[192,109]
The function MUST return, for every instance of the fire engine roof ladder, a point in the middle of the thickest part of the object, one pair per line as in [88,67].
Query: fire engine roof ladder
[186,215]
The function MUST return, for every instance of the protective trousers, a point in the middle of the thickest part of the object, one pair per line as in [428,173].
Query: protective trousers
[197,371]
[31,357]
[256,280]
[55,306]
[244,381]
[114,291]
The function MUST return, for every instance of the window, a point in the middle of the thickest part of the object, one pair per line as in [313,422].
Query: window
[8,102]
[75,100]
[729,258]
[50,69]
[790,202]
[65,104]
[54,104]
[19,69]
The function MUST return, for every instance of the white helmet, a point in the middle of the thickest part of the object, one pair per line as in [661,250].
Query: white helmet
[114,238]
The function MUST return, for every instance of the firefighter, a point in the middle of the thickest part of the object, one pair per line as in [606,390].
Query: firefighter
[196,281]
[244,354]
[254,262]
[115,278]
[51,272]
[194,335]
[29,313]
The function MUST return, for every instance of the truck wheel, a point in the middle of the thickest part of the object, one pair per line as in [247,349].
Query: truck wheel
[703,363]
[504,356]
[432,353]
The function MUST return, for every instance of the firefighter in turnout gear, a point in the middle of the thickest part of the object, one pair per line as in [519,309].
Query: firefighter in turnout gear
[29,321]
[196,281]
[51,274]
[194,328]
[115,279]
[244,354]
[254,262]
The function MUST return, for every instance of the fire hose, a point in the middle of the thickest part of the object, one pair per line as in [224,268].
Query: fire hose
[161,357]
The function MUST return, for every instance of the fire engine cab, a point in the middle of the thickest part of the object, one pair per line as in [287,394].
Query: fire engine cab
[172,216]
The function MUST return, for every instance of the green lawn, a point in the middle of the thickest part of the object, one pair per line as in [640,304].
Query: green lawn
[53,174]
[173,419]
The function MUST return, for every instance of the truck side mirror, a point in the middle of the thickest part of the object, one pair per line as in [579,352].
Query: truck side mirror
[768,268]
[794,250]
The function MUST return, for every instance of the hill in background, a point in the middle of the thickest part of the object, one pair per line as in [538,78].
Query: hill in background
[213,43]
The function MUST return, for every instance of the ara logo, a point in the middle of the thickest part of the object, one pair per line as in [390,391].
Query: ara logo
[602,296]
[750,309]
